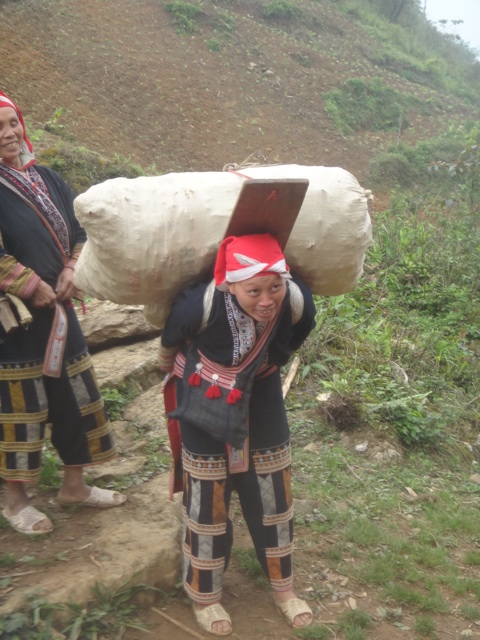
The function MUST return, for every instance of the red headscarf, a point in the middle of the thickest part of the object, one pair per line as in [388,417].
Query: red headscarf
[243,257]
[27,156]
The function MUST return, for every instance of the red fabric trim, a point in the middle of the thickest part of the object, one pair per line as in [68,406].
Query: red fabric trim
[173,427]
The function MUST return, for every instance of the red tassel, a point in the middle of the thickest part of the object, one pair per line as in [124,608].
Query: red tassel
[194,380]
[213,392]
[234,396]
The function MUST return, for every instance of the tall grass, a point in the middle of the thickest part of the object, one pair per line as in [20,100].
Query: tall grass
[402,351]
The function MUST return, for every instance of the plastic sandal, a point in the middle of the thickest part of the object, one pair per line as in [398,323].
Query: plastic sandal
[208,615]
[26,519]
[99,498]
[293,608]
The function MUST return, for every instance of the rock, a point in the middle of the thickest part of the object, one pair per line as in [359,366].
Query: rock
[303,508]
[389,455]
[140,542]
[362,447]
[136,363]
[475,478]
[106,323]
[312,447]
[148,410]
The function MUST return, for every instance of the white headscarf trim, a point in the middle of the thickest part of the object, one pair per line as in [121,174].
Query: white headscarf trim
[254,267]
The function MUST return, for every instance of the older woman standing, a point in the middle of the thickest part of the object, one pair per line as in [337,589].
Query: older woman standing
[224,343]
[46,374]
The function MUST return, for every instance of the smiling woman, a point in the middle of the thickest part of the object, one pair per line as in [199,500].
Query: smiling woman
[224,343]
[11,137]
[46,374]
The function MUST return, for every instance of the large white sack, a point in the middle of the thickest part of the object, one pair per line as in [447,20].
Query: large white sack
[149,237]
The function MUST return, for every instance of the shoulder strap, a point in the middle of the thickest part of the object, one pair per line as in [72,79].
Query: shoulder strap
[296,302]
[207,304]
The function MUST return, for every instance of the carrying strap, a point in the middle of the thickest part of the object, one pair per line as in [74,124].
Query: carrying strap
[45,222]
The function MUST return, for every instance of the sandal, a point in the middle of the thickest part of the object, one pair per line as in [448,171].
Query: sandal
[293,608]
[26,519]
[99,498]
[208,615]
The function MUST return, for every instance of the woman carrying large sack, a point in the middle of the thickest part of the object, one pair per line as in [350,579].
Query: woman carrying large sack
[224,343]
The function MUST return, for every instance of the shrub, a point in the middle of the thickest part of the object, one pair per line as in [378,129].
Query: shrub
[389,170]
[223,22]
[281,10]
[116,400]
[184,14]
[213,44]
[82,168]
[368,105]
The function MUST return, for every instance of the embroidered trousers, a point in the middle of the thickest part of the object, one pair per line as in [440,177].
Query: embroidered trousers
[264,492]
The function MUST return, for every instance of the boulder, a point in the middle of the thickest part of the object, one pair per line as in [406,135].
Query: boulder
[105,324]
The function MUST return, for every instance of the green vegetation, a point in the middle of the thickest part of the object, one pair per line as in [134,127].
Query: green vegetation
[281,10]
[7,560]
[82,168]
[224,23]
[409,45]
[213,44]
[369,105]
[116,399]
[248,563]
[184,15]
[442,165]
[50,478]
[107,612]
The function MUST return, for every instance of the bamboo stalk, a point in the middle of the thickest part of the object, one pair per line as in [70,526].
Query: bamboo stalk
[180,625]
[290,376]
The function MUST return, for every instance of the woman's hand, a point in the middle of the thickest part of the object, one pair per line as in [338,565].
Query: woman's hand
[65,288]
[164,383]
[43,296]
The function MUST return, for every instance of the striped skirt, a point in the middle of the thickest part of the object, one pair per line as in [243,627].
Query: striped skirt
[29,401]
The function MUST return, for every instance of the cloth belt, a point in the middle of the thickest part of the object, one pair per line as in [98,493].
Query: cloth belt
[52,365]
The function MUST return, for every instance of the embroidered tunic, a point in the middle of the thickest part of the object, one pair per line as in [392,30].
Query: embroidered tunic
[30,252]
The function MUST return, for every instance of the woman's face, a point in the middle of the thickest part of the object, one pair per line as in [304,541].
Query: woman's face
[11,136]
[261,296]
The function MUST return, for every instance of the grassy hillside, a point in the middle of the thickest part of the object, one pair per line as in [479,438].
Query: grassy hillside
[178,86]
[154,86]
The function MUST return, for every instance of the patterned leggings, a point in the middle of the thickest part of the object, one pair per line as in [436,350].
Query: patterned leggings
[267,506]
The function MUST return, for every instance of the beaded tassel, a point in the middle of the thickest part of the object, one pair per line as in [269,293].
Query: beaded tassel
[195,379]
[213,390]
[234,394]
